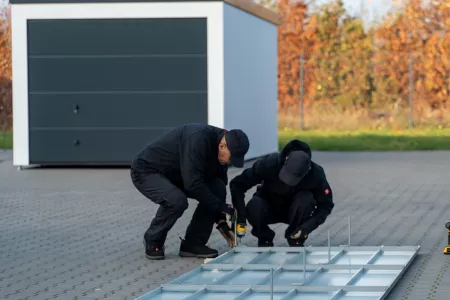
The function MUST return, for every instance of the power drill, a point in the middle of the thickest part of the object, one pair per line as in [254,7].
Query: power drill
[447,248]
[239,228]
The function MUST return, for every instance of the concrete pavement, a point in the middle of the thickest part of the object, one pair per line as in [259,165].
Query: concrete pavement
[77,233]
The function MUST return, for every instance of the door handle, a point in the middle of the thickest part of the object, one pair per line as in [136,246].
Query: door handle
[76,142]
[75,108]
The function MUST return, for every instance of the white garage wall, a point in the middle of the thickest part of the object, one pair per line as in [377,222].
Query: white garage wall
[250,79]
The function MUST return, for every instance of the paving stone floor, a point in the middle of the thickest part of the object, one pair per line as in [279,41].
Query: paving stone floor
[77,233]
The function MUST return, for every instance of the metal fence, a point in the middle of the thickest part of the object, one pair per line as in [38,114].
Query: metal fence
[404,88]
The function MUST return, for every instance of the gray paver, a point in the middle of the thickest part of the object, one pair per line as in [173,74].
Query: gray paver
[77,233]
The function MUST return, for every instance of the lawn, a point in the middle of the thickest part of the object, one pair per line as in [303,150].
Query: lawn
[401,140]
[6,140]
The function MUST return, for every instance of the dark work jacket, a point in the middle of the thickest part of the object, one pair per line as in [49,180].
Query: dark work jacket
[264,173]
[187,156]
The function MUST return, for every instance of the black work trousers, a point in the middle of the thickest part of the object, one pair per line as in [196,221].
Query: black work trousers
[262,212]
[172,201]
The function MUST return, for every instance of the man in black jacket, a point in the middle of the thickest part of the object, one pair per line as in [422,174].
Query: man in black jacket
[292,190]
[190,161]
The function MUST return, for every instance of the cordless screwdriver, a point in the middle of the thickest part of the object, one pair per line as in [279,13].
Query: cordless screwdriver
[239,229]
[447,248]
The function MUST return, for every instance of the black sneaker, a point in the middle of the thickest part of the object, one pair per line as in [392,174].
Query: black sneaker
[262,243]
[153,252]
[200,251]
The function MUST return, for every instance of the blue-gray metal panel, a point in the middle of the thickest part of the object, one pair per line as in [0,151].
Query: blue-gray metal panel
[345,272]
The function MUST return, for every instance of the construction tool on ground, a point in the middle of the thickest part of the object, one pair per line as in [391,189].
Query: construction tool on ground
[447,248]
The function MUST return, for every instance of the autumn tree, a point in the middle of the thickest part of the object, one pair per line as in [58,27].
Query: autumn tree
[325,53]
[435,80]
[5,72]
[354,74]
[295,36]
[5,45]
[399,36]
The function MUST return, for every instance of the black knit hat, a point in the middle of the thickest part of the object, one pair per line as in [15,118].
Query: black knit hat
[238,144]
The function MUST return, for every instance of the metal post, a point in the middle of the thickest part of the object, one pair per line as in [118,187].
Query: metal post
[304,264]
[411,90]
[235,229]
[271,283]
[302,66]
[349,230]
[329,246]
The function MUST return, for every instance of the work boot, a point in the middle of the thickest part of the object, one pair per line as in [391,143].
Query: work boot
[153,252]
[200,251]
[264,243]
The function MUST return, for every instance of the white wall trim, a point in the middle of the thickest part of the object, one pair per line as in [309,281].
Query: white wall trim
[20,13]
[19,87]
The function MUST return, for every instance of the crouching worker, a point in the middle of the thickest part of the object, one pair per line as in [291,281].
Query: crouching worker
[190,161]
[292,190]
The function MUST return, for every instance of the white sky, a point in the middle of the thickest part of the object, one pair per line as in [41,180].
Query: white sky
[371,9]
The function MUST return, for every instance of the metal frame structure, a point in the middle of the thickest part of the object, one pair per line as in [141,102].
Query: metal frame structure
[291,273]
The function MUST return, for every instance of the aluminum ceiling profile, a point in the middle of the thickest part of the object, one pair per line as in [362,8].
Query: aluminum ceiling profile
[284,273]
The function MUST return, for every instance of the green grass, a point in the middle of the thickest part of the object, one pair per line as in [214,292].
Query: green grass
[326,140]
[6,140]
[401,140]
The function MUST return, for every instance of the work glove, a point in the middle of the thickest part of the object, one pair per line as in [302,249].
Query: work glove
[227,233]
[297,238]
[298,234]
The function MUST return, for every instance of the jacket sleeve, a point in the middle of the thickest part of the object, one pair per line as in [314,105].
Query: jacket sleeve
[223,175]
[324,197]
[242,183]
[193,165]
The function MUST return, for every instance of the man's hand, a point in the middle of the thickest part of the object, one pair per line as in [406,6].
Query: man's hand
[227,233]
[298,234]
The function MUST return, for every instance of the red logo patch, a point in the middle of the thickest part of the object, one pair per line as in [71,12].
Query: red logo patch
[327,191]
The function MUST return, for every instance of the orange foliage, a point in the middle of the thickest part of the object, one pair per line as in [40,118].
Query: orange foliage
[295,36]
[345,66]
[345,62]
[5,72]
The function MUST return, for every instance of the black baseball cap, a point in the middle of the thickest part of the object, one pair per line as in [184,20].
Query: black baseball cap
[238,144]
[296,166]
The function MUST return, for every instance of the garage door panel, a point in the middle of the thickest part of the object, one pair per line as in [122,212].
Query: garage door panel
[117,36]
[117,110]
[118,74]
[88,146]
[100,90]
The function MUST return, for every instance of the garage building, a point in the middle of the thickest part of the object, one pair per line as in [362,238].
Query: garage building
[93,83]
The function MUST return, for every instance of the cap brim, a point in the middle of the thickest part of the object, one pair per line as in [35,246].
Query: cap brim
[288,178]
[237,161]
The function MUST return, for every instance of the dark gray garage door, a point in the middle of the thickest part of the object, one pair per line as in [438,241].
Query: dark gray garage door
[99,90]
